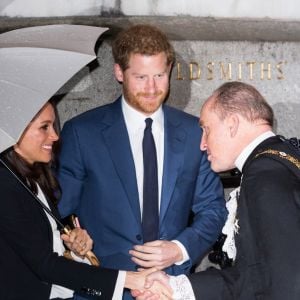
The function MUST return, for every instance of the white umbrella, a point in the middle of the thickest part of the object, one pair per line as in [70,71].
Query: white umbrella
[34,63]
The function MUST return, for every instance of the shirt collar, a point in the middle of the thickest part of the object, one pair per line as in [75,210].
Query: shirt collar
[241,159]
[135,120]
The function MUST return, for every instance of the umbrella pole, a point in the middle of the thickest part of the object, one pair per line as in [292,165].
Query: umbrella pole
[66,229]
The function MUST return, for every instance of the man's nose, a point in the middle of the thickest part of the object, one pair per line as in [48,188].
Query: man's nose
[203,145]
[151,85]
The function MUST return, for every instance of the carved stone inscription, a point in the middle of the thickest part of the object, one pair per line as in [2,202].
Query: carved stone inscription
[248,70]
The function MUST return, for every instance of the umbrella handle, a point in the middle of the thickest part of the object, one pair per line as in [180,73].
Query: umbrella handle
[92,258]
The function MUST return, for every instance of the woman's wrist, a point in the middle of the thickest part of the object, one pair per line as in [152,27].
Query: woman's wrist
[134,280]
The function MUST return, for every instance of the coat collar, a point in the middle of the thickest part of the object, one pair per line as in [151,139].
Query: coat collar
[263,145]
[240,161]
[175,137]
[117,141]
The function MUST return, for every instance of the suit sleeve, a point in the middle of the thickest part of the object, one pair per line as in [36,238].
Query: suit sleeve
[272,195]
[71,172]
[26,231]
[267,264]
[209,213]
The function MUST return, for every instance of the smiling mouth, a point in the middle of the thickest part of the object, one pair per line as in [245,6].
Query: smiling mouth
[150,97]
[47,147]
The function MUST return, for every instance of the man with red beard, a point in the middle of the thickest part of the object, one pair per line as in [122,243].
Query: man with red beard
[133,171]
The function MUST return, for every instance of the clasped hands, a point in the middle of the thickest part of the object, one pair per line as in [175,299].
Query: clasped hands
[156,286]
[150,283]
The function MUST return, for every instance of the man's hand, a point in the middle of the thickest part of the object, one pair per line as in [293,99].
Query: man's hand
[160,254]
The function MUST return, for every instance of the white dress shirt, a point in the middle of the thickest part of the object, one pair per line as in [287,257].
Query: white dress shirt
[135,123]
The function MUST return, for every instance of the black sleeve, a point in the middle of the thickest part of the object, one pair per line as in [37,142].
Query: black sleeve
[26,229]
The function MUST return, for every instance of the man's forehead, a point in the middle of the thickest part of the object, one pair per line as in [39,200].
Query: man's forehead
[203,114]
[201,119]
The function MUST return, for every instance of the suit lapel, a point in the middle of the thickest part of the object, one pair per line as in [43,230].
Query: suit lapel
[117,141]
[175,137]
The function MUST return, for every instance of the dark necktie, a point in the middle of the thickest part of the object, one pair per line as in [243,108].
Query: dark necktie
[150,219]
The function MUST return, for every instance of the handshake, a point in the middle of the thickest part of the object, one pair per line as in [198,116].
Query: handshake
[159,285]
[149,284]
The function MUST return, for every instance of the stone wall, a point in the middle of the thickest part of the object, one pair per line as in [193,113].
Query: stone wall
[201,66]
[209,51]
[274,9]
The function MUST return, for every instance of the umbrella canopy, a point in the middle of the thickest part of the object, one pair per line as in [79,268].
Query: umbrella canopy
[35,62]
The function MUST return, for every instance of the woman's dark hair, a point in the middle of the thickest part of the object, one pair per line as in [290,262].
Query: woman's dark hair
[37,173]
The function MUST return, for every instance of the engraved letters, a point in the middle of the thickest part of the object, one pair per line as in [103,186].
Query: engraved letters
[248,70]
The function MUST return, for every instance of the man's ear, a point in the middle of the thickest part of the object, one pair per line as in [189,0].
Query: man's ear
[118,72]
[233,123]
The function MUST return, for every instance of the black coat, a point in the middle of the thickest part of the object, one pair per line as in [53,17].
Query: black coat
[268,244]
[28,265]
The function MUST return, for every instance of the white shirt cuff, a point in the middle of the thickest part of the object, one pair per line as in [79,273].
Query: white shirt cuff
[182,288]
[79,259]
[118,292]
[185,256]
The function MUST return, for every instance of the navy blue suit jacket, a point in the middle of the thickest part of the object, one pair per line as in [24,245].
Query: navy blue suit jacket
[98,180]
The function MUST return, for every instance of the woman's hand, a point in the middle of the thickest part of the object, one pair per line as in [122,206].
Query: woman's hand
[78,241]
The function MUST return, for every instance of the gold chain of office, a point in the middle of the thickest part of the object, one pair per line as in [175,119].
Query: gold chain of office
[283,155]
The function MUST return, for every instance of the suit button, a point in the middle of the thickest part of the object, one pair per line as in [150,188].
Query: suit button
[138,237]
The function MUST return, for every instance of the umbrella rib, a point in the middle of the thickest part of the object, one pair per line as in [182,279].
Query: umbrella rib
[19,86]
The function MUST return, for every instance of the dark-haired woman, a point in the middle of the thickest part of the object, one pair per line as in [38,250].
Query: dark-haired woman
[32,265]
